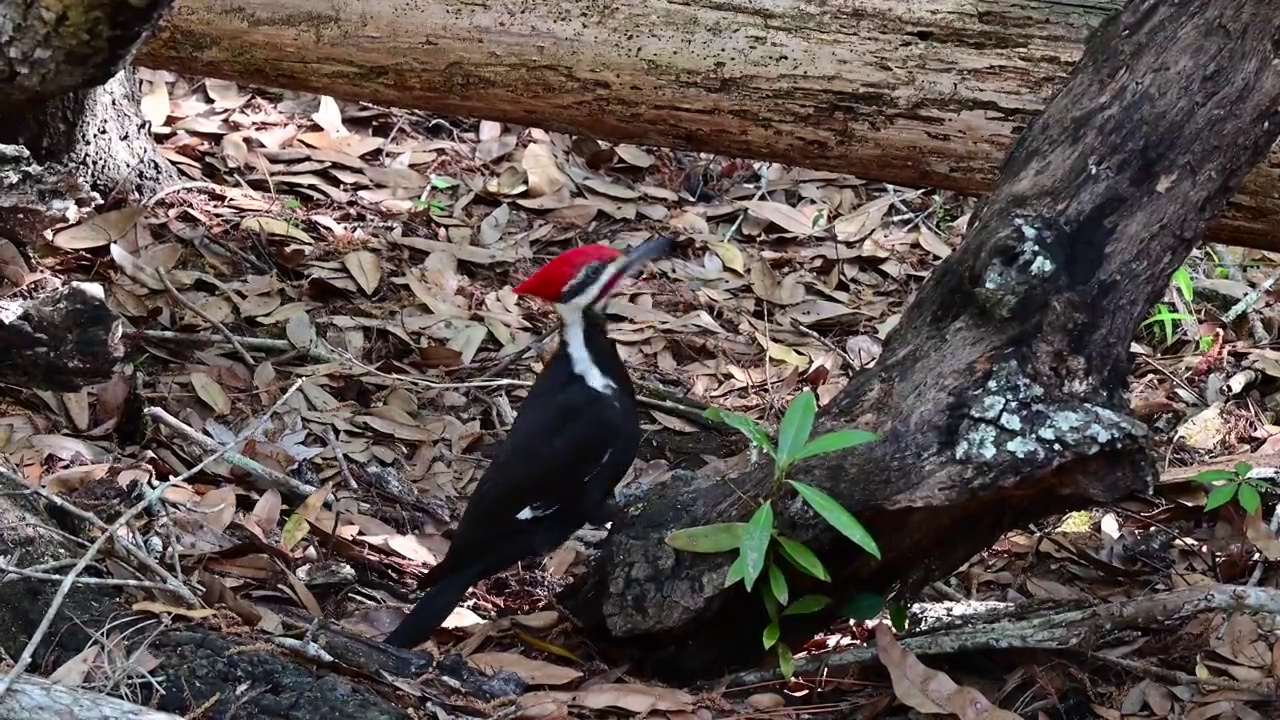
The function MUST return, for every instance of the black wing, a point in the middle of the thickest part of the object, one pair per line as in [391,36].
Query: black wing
[573,434]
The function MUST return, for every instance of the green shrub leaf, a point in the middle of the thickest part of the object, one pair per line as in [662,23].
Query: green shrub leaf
[755,544]
[796,425]
[803,558]
[833,512]
[745,425]
[835,441]
[778,584]
[806,605]
[1220,496]
[718,538]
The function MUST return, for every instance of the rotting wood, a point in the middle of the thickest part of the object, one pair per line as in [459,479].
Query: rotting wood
[920,94]
[1001,395]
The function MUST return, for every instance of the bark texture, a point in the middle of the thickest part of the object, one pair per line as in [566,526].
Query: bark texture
[923,94]
[1001,394]
[55,48]
[61,340]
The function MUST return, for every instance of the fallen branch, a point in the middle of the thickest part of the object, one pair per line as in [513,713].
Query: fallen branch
[34,698]
[1055,629]
[267,479]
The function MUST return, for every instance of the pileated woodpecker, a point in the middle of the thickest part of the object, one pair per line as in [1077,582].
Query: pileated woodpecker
[574,438]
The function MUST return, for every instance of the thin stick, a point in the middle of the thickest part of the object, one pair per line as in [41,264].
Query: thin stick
[145,584]
[267,478]
[327,433]
[177,297]
[128,549]
[29,651]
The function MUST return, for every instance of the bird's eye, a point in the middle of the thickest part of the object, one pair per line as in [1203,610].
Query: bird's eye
[585,278]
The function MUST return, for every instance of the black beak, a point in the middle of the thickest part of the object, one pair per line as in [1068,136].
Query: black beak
[637,257]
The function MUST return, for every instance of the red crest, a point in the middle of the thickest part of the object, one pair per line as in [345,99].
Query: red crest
[550,279]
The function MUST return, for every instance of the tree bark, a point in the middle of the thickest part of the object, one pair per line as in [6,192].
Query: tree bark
[923,94]
[1001,396]
[71,136]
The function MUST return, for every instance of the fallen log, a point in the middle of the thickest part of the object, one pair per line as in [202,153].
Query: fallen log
[1001,396]
[916,94]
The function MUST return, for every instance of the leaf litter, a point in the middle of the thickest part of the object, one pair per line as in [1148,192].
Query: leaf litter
[373,252]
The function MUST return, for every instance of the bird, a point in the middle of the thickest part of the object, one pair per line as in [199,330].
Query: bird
[574,438]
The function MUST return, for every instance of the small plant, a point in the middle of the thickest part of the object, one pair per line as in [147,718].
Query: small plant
[758,543]
[1164,315]
[1237,485]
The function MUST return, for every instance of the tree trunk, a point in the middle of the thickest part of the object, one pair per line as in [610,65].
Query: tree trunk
[1001,396]
[922,94]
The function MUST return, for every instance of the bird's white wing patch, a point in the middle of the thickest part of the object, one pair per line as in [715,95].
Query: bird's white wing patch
[532,511]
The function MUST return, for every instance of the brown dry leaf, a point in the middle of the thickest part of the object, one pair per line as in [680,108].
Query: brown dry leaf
[397,177]
[329,117]
[296,528]
[77,405]
[493,225]
[765,284]
[74,478]
[534,672]
[211,392]
[266,512]
[100,230]
[634,155]
[400,430]
[265,225]
[155,104]
[730,255]
[860,223]
[612,189]
[68,448]
[638,699]
[1262,536]
[300,331]
[159,607]
[73,672]
[781,215]
[933,243]
[218,507]
[927,690]
[366,268]
[545,176]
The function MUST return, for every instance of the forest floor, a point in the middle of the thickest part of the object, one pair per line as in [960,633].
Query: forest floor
[391,240]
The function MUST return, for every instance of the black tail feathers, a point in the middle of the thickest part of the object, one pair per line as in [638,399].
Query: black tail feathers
[432,608]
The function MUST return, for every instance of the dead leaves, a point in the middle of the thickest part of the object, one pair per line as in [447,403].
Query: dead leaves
[928,690]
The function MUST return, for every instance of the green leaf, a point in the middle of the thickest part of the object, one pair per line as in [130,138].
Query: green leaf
[835,441]
[736,571]
[806,605]
[771,634]
[796,425]
[898,616]
[803,558]
[755,544]
[1249,499]
[786,663]
[1220,496]
[778,584]
[770,603]
[745,425]
[1212,476]
[833,512]
[1243,468]
[1182,279]
[863,606]
[718,538]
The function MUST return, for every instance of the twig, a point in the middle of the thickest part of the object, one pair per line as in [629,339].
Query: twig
[177,297]
[327,434]
[145,584]
[1173,677]
[1049,629]
[514,357]
[267,478]
[173,584]
[29,651]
